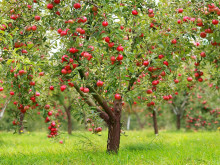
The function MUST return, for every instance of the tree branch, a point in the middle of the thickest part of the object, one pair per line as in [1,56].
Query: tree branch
[97,97]
[131,82]
[90,102]
[94,4]
[184,102]
[174,108]
[101,102]
[5,106]
[65,107]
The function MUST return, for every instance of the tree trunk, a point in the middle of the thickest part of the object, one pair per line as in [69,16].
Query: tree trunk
[21,125]
[128,122]
[69,121]
[178,119]
[114,129]
[155,122]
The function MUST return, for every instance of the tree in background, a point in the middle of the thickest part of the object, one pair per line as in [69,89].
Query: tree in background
[203,109]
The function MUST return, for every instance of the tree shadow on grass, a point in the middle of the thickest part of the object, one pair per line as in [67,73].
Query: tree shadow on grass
[142,147]
[154,144]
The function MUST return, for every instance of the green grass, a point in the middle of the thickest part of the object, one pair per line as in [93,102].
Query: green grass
[139,147]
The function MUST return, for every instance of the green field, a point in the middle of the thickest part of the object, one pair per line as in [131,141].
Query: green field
[138,147]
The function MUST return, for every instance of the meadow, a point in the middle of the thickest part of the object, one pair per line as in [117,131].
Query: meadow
[137,147]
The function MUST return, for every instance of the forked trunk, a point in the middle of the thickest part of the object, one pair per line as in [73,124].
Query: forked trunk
[114,129]
[178,120]
[21,124]
[155,122]
[69,120]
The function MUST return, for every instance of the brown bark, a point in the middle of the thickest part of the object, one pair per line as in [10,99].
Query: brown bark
[101,101]
[21,125]
[155,122]
[178,119]
[112,119]
[91,103]
[114,129]
[69,120]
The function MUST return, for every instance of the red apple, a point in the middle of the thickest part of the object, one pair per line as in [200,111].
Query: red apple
[200,79]
[215,21]
[113,59]
[134,12]
[37,18]
[63,87]
[189,79]
[50,113]
[160,56]
[203,34]
[117,96]
[12,93]
[111,44]
[86,90]
[99,129]
[165,63]
[174,41]
[196,74]
[120,48]
[57,1]
[99,83]
[146,63]
[180,10]
[163,73]
[149,91]
[202,54]
[120,57]
[179,21]
[150,11]
[64,71]
[105,23]
[47,106]
[41,73]
[50,6]
[107,39]
[155,82]
[34,28]
[77,6]
[51,87]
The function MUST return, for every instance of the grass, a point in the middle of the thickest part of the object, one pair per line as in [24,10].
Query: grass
[139,147]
